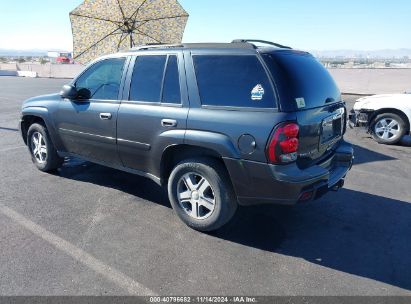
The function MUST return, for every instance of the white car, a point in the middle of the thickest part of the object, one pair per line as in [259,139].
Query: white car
[387,117]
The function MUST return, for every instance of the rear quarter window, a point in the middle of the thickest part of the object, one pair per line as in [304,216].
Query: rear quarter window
[300,76]
[233,81]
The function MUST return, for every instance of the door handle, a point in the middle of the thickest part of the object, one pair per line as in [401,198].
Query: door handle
[105,116]
[169,123]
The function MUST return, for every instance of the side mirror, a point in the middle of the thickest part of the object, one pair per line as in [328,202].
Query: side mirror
[69,92]
[84,94]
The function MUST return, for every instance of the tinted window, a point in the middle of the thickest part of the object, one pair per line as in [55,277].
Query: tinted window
[103,79]
[171,88]
[237,81]
[147,78]
[299,76]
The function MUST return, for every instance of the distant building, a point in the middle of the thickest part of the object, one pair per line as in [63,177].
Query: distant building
[60,56]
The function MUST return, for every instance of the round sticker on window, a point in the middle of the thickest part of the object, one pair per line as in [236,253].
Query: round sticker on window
[257,93]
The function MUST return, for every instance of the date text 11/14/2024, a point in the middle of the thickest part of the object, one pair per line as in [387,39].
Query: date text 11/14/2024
[238,299]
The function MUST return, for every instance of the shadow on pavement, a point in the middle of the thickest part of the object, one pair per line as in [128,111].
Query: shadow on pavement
[354,232]
[363,155]
[349,231]
[87,172]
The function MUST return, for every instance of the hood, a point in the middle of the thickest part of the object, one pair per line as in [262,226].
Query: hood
[41,101]
[378,100]
[379,97]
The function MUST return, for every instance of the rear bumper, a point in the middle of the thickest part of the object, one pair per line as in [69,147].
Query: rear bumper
[260,183]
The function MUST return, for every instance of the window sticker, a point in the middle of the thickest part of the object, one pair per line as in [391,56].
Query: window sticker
[257,93]
[300,102]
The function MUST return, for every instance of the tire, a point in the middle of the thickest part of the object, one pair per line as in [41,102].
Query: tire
[46,159]
[388,128]
[204,184]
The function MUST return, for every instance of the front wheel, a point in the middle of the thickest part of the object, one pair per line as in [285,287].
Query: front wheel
[201,194]
[388,128]
[43,153]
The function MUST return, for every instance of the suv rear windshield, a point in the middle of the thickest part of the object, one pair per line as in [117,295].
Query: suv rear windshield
[302,81]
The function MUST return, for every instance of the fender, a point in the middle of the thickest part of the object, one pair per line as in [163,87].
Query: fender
[401,112]
[164,141]
[43,113]
[220,144]
[214,141]
[227,150]
[217,142]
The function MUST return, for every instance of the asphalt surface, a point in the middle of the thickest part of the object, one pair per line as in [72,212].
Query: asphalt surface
[90,230]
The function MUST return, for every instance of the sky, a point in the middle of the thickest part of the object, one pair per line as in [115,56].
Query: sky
[302,24]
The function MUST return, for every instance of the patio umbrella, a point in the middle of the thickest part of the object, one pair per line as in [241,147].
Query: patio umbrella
[108,26]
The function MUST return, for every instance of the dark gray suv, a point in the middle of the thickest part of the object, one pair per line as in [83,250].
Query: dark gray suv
[218,124]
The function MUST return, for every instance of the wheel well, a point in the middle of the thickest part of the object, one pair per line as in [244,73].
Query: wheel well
[393,111]
[175,154]
[27,122]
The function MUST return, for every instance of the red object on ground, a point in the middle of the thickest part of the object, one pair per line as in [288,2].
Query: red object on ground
[63,60]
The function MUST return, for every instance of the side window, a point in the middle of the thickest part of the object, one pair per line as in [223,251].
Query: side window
[147,78]
[171,87]
[103,79]
[236,81]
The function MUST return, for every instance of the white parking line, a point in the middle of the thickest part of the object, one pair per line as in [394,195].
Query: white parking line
[115,276]
[12,148]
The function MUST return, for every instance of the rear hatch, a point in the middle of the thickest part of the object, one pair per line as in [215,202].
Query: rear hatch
[307,89]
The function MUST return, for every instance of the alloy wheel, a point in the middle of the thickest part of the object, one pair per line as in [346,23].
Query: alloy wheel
[196,196]
[38,147]
[387,128]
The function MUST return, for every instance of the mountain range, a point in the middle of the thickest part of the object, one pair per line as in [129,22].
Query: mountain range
[23,53]
[387,53]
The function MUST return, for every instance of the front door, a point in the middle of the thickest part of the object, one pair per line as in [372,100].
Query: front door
[154,115]
[88,126]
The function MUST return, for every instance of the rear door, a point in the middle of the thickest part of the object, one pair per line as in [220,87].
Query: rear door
[307,89]
[231,98]
[154,114]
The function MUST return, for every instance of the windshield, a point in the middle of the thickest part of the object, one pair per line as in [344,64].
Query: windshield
[302,81]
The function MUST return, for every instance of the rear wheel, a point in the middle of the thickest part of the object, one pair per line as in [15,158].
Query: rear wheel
[388,128]
[201,194]
[43,153]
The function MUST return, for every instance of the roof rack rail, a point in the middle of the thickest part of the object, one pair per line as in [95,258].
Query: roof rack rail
[260,41]
[155,46]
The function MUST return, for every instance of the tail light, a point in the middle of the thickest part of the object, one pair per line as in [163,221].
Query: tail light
[283,145]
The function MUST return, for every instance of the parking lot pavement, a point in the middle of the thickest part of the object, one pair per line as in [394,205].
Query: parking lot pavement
[90,230]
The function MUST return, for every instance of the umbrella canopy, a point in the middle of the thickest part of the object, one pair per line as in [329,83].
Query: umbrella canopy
[108,26]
